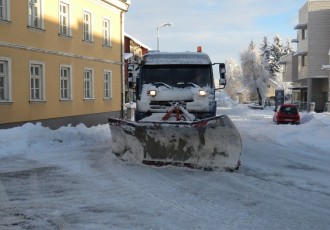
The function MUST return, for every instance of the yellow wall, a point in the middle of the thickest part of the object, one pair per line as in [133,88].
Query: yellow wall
[54,51]
[18,33]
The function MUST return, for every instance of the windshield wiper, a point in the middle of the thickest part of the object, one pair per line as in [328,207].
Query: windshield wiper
[188,84]
[157,84]
[193,84]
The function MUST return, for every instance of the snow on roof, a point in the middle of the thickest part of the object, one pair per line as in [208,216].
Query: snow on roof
[137,41]
[301,26]
[165,58]
[300,53]
[127,55]
[274,83]
[326,67]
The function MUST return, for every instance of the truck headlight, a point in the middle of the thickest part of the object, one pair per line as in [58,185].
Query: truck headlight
[152,93]
[202,93]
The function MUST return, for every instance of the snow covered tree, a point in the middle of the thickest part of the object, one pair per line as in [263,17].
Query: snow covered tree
[279,50]
[254,72]
[276,52]
[265,50]
[234,78]
[288,48]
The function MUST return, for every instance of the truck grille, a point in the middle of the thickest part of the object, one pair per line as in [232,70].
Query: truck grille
[166,104]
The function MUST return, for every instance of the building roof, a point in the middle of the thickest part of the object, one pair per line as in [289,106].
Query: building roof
[121,4]
[137,41]
[300,53]
[301,26]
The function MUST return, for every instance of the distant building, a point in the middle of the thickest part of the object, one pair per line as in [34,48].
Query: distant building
[61,61]
[308,67]
[134,50]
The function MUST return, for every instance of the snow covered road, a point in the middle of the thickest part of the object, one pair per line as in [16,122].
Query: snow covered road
[69,179]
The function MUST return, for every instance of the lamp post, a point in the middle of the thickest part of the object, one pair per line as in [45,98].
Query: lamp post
[161,26]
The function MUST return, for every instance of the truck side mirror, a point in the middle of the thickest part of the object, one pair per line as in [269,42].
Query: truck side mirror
[222,70]
[222,81]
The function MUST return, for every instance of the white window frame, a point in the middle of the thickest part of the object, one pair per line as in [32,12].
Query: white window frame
[107,87]
[64,16]
[106,31]
[304,33]
[88,83]
[41,85]
[304,61]
[35,14]
[68,79]
[87,26]
[5,10]
[6,75]
[284,68]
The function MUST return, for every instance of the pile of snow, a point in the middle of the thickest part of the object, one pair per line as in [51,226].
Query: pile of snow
[29,138]
[312,133]
[224,101]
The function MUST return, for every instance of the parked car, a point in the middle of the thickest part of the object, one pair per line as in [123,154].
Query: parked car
[286,114]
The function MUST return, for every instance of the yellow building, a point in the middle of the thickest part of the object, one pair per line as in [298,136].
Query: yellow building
[61,61]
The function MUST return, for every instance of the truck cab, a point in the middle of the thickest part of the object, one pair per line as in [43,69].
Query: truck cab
[183,77]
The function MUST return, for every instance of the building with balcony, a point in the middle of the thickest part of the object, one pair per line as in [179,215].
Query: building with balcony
[61,61]
[306,67]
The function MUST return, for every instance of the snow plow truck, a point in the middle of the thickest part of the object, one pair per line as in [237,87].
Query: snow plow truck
[175,118]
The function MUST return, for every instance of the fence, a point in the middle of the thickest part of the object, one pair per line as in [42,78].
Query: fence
[301,106]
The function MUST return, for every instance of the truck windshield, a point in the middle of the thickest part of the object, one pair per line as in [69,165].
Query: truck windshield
[173,75]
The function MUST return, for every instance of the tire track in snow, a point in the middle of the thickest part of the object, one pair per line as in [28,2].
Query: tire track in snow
[126,181]
[161,197]
[159,187]
[3,193]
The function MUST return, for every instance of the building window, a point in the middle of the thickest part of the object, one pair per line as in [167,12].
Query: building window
[64,19]
[5,80]
[304,33]
[106,32]
[304,60]
[107,84]
[37,81]
[88,84]
[65,79]
[35,14]
[87,27]
[4,10]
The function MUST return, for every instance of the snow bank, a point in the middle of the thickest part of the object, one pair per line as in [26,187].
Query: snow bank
[27,138]
[223,100]
[311,135]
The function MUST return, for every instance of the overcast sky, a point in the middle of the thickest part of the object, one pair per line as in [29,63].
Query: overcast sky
[222,27]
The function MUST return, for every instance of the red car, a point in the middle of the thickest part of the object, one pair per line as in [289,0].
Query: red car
[286,114]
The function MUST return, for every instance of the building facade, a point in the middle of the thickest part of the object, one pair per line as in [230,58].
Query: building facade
[305,68]
[61,61]
[134,50]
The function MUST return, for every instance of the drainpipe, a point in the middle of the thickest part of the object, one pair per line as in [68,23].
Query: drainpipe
[122,65]
[122,21]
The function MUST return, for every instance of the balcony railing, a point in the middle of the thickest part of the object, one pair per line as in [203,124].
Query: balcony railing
[301,106]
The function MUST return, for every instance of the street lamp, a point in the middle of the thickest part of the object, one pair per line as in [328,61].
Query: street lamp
[161,26]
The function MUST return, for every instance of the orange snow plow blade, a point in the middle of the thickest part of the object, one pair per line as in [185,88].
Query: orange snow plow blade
[212,143]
